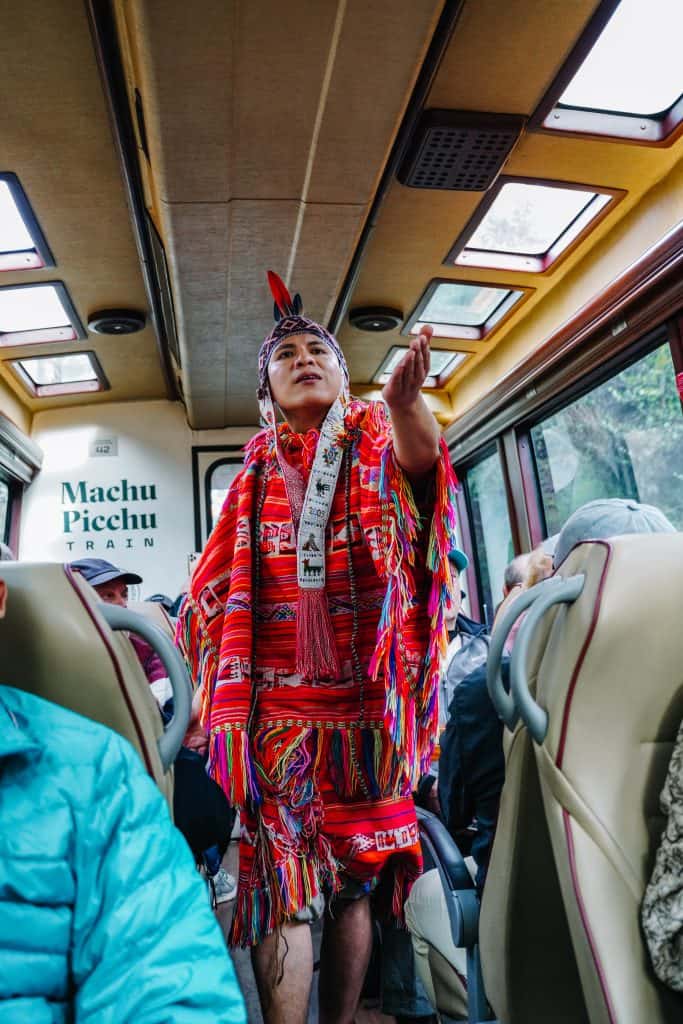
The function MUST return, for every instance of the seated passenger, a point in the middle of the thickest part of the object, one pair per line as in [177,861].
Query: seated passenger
[200,808]
[111,585]
[472,766]
[515,573]
[476,725]
[104,917]
[662,912]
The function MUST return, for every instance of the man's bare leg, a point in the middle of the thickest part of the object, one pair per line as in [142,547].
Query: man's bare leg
[344,958]
[286,1002]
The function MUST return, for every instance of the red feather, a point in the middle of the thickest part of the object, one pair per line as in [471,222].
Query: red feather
[278,290]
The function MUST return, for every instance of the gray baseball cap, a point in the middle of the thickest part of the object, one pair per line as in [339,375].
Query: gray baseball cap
[609,517]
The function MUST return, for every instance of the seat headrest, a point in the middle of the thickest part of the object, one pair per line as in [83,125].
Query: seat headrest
[55,644]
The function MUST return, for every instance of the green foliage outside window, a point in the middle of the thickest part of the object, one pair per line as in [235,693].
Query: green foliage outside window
[622,440]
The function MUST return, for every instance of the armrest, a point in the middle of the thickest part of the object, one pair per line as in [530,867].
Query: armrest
[461,896]
[174,731]
[444,850]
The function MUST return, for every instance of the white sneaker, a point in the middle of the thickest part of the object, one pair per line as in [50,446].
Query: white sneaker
[223,885]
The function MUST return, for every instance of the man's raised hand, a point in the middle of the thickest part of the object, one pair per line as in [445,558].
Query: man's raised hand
[403,387]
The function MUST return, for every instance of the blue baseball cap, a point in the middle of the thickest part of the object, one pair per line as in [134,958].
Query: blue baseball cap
[459,559]
[97,571]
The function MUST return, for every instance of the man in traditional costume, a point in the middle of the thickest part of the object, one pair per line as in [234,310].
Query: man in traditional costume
[314,628]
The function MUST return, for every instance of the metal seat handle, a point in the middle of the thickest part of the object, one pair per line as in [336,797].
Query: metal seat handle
[503,701]
[532,714]
[170,742]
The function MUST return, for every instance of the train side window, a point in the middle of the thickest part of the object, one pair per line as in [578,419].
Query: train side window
[4,510]
[491,530]
[219,476]
[624,439]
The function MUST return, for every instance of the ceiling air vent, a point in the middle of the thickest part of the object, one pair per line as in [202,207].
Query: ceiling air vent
[452,149]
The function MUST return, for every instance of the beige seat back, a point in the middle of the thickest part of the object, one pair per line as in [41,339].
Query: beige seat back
[528,965]
[156,614]
[55,643]
[611,680]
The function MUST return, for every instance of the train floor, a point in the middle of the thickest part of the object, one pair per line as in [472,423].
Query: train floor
[367,1014]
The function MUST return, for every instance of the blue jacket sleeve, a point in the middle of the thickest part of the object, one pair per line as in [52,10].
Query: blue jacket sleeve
[146,947]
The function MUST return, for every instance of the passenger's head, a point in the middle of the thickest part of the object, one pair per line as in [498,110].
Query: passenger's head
[458,561]
[608,517]
[110,583]
[164,600]
[515,573]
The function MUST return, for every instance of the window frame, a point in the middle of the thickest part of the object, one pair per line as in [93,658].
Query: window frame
[459,357]
[541,263]
[16,339]
[57,390]
[506,308]
[226,460]
[27,214]
[636,129]
[526,512]
[475,590]
[647,344]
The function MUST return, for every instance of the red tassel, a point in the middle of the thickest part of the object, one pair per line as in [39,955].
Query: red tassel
[316,649]
[281,297]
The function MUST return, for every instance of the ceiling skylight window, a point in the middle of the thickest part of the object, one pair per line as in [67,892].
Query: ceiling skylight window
[624,77]
[527,225]
[22,243]
[462,310]
[35,313]
[443,365]
[61,374]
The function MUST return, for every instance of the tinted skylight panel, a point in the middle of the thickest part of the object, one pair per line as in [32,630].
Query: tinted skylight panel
[443,364]
[528,219]
[469,305]
[31,314]
[635,66]
[27,309]
[22,244]
[14,235]
[69,369]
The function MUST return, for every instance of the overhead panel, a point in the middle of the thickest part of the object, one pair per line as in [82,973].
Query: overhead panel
[501,60]
[57,146]
[266,142]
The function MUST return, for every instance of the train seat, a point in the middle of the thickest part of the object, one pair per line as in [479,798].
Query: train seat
[610,701]
[56,642]
[156,614]
[527,961]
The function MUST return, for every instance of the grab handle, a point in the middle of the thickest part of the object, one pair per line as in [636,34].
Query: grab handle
[123,619]
[503,702]
[532,714]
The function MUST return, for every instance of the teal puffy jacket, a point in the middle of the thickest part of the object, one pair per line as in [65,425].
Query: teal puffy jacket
[103,917]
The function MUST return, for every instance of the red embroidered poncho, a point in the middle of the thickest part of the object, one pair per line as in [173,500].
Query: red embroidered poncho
[322,768]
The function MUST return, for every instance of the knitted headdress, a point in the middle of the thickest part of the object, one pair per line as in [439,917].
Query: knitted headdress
[316,651]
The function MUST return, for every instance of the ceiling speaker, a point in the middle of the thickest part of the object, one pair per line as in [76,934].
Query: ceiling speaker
[453,149]
[116,321]
[375,318]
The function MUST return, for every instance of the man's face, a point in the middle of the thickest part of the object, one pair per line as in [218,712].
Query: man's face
[114,592]
[304,372]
